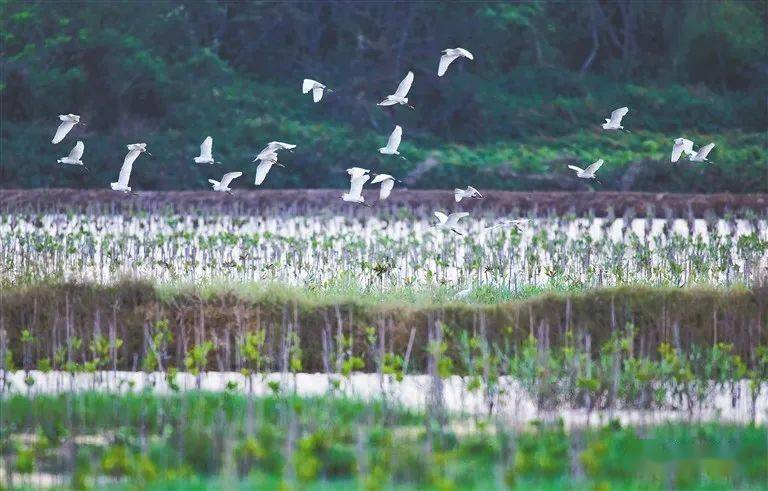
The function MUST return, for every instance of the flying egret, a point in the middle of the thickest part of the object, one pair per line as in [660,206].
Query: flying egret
[267,161]
[701,155]
[273,147]
[316,87]
[74,156]
[589,172]
[399,97]
[68,121]
[223,186]
[682,145]
[206,155]
[517,223]
[449,55]
[134,150]
[387,183]
[393,143]
[449,222]
[357,178]
[470,192]
[614,123]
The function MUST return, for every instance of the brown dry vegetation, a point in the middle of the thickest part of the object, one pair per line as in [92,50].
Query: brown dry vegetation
[312,200]
[683,318]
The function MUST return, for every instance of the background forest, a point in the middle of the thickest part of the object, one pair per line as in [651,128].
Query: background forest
[545,75]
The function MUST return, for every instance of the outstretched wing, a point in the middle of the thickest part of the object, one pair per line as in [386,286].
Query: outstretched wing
[474,191]
[441,216]
[704,151]
[356,184]
[617,114]
[356,172]
[77,151]
[386,188]
[125,170]
[458,194]
[261,171]
[307,85]
[280,146]
[681,145]
[206,148]
[454,218]
[577,169]
[62,131]
[445,61]
[381,178]
[228,177]
[317,94]
[405,85]
[394,139]
[463,52]
[593,168]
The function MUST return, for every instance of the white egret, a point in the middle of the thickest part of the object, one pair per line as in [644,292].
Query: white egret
[589,172]
[449,222]
[449,55]
[134,150]
[223,186]
[387,183]
[614,122]
[393,143]
[517,223]
[68,121]
[206,152]
[470,192]
[74,156]
[399,97]
[682,145]
[316,87]
[701,155]
[267,161]
[273,147]
[358,177]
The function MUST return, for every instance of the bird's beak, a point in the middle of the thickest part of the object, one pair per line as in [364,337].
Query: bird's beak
[404,158]
[280,165]
[411,107]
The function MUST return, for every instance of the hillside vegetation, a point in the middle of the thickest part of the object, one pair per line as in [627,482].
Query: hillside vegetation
[544,77]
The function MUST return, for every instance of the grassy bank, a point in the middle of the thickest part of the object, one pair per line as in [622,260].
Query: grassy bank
[326,323]
[199,440]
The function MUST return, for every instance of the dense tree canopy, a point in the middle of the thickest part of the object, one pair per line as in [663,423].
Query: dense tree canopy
[545,74]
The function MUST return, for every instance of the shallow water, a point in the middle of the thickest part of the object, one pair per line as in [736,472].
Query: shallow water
[512,403]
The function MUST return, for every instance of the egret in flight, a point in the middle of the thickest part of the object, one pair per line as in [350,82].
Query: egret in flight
[682,145]
[449,55]
[400,95]
[134,150]
[273,147]
[267,161]
[589,172]
[68,121]
[517,223]
[357,177]
[74,156]
[701,155]
[449,222]
[614,123]
[393,143]
[316,87]
[470,192]
[387,183]
[223,186]
[206,155]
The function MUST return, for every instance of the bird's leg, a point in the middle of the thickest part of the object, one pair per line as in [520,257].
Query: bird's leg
[404,158]
[410,106]
[84,167]
[626,131]
[148,153]
[280,165]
